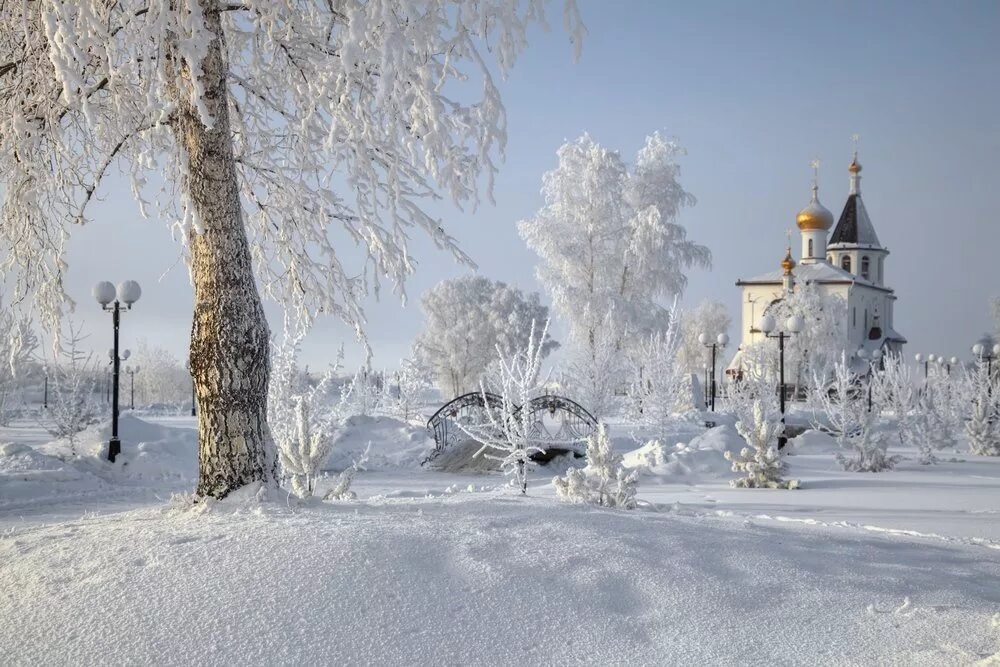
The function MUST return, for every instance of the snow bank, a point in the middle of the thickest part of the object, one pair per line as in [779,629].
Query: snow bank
[702,458]
[158,458]
[395,444]
[814,442]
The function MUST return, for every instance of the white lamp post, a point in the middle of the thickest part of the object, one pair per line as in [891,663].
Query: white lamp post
[719,341]
[111,300]
[793,325]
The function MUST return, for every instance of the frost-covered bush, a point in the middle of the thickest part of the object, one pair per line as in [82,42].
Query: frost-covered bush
[983,395]
[405,394]
[842,400]
[604,481]
[72,404]
[303,418]
[754,402]
[505,430]
[658,391]
[920,417]
[342,487]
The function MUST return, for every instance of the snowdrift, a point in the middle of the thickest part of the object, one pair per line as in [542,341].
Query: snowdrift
[701,459]
[157,457]
[394,443]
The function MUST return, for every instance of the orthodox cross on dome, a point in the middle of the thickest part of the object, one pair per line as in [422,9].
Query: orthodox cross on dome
[855,139]
[815,167]
[788,235]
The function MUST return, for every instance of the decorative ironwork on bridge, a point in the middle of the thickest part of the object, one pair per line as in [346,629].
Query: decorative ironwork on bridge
[558,424]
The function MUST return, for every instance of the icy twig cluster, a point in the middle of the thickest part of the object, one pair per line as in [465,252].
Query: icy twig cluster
[303,422]
[72,378]
[843,401]
[982,428]
[505,430]
[603,481]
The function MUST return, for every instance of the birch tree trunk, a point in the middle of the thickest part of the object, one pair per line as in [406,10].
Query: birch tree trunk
[229,334]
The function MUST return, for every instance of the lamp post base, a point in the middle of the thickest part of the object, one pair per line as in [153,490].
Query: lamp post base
[114,448]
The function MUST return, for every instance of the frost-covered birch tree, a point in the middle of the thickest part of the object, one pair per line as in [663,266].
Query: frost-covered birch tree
[609,239]
[277,133]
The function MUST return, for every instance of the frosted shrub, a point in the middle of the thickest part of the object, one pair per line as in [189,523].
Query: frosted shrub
[753,402]
[72,406]
[982,392]
[505,429]
[302,424]
[342,487]
[659,390]
[604,481]
[843,400]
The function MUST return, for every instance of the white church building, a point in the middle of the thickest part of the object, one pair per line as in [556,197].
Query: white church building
[849,263]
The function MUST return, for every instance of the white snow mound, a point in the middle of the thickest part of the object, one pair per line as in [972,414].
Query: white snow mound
[703,457]
[395,444]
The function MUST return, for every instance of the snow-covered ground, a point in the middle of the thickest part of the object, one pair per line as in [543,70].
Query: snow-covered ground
[99,565]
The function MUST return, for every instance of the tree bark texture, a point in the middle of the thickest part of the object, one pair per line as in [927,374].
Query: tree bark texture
[229,335]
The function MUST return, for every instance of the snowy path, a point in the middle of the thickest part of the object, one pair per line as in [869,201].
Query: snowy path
[486,578]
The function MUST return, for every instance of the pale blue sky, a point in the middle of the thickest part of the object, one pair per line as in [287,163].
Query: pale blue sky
[754,91]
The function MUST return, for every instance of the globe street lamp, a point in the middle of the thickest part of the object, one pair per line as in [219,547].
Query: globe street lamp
[793,325]
[131,370]
[111,300]
[873,358]
[720,341]
[987,354]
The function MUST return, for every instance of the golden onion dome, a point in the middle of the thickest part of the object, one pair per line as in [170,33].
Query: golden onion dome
[788,263]
[855,166]
[815,216]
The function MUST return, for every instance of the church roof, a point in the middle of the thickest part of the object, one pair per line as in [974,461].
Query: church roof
[854,226]
[818,272]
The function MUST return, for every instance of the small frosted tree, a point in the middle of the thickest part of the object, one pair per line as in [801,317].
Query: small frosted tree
[982,393]
[658,390]
[72,377]
[505,430]
[754,403]
[407,391]
[841,400]
[302,418]
[603,481]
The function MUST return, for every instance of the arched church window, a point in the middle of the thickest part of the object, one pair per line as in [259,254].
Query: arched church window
[845,263]
[865,267]
[829,258]
[810,247]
